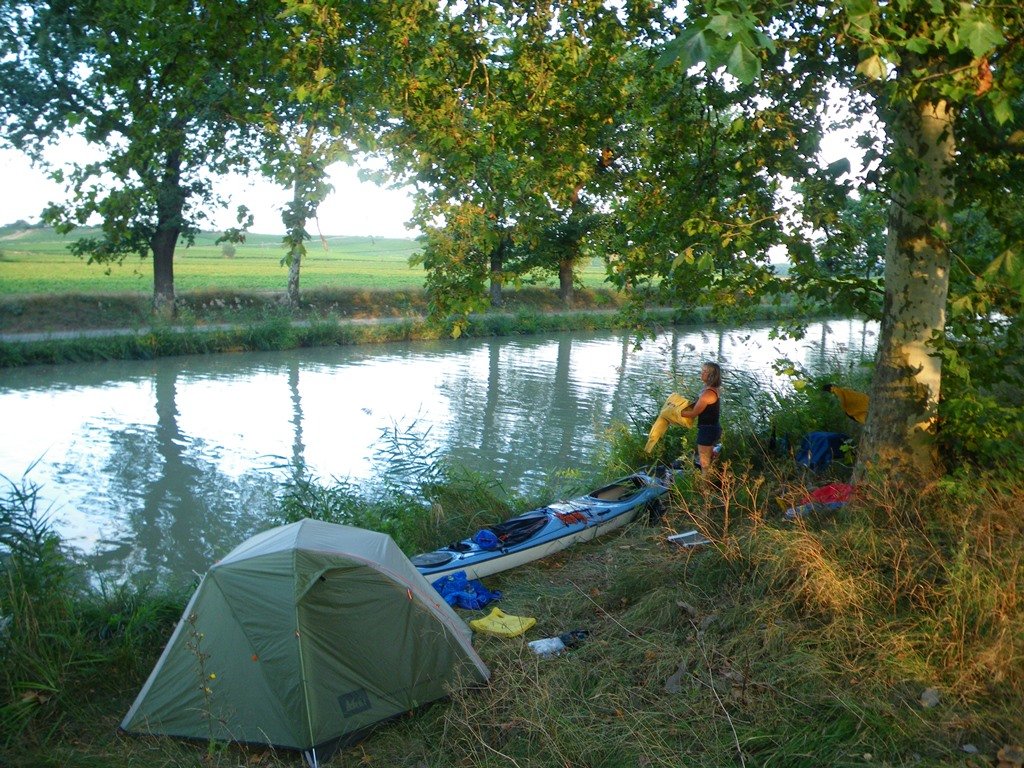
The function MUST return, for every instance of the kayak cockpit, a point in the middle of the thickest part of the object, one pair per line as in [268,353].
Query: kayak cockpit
[521,528]
[621,490]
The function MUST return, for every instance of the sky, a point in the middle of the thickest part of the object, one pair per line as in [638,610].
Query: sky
[355,208]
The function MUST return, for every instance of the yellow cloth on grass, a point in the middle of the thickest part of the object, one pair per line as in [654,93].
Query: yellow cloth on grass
[669,415]
[854,403]
[497,622]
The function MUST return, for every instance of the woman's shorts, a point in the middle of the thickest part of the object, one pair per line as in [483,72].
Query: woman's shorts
[709,434]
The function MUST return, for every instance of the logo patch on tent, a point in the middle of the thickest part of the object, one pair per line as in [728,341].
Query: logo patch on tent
[354,702]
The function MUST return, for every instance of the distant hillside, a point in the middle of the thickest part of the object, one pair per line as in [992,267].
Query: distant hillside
[41,232]
[19,228]
[37,239]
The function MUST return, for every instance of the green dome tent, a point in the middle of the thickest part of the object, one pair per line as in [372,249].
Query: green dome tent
[301,638]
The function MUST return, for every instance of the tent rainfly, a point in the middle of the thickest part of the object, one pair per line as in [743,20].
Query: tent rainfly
[302,638]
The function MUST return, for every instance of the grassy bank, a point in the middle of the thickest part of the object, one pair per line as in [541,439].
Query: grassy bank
[888,633]
[354,290]
[247,322]
[58,311]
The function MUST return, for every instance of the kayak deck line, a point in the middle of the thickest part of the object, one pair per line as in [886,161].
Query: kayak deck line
[544,531]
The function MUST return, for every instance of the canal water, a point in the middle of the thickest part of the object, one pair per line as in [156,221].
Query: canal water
[155,469]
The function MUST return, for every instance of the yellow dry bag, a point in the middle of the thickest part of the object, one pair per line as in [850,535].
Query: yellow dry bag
[669,415]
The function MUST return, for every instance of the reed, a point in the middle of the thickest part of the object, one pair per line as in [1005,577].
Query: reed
[888,633]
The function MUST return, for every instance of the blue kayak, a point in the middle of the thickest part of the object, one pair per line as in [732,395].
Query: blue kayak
[541,532]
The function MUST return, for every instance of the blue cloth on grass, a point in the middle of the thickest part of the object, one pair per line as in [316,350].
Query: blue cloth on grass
[460,592]
[818,449]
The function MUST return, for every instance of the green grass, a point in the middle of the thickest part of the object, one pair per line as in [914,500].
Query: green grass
[45,289]
[36,261]
[780,644]
[277,333]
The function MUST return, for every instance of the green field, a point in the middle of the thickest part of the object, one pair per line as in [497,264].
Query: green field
[37,261]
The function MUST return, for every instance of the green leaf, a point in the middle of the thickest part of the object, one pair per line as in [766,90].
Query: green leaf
[1006,263]
[695,50]
[980,35]
[743,64]
[706,263]
[725,24]
[693,226]
[858,14]
[689,48]
[961,306]
[918,44]
[872,68]
[1002,109]
[839,167]
[764,41]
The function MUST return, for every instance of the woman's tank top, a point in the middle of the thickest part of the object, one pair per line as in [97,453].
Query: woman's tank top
[710,415]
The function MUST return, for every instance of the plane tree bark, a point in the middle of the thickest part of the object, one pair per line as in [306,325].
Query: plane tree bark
[907,381]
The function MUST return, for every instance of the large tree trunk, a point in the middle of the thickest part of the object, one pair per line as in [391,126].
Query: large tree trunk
[901,426]
[170,203]
[566,289]
[295,238]
[163,271]
[294,269]
[307,193]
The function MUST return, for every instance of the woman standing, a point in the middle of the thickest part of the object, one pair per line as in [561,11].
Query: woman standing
[707,411]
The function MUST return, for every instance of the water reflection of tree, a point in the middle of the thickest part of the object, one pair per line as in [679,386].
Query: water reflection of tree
[179,512]
[830,353]
[620,370]
[489,429]
[298,462]
[534,417]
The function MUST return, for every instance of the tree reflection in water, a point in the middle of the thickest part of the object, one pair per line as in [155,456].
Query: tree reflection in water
[158,468]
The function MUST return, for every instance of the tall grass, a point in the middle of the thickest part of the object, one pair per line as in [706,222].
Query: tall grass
[39,589]
[60,636]
[885,633]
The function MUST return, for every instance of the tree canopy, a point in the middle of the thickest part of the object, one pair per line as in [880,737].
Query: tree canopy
[162,90]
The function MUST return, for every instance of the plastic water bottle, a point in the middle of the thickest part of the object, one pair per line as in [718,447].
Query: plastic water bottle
[548,647]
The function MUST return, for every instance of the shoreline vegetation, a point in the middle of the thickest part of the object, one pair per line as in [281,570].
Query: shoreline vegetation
[55,308]
[81,328]
[243,323]
[884,633]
